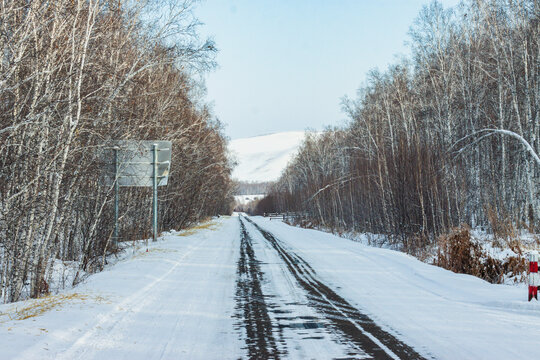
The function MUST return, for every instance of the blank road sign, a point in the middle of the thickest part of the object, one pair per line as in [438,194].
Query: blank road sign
[135,162]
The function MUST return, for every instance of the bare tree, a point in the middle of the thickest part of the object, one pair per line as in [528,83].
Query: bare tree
[394,170]
[75,75]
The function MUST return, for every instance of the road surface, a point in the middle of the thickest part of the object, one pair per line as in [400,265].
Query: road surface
[253,289]
[298,314]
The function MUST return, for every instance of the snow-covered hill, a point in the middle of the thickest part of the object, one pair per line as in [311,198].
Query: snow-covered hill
[262,158]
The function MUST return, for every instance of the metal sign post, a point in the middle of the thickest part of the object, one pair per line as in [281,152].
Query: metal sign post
[116,196]
[140,163]
[154,190]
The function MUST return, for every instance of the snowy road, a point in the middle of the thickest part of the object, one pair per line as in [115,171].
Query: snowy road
[298,303]
[253,288]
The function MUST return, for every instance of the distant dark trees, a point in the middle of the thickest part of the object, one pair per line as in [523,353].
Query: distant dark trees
[74,75]
[252,187]
[265,205]
[415,159]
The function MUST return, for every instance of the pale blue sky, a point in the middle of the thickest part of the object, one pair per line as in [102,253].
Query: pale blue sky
[285,65]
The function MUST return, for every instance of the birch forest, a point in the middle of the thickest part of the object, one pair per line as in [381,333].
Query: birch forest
[74,75]
[447,136]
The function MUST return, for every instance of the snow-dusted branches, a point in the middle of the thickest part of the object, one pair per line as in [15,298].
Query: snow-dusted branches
[484,133]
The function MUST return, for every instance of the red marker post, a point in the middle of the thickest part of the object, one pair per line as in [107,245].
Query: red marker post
[534,279]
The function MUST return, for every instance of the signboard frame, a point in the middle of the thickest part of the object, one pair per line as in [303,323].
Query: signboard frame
[140,163]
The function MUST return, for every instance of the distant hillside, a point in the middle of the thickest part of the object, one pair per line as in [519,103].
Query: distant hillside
[262,158]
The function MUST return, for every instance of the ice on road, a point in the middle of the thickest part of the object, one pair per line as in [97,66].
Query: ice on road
[253,288]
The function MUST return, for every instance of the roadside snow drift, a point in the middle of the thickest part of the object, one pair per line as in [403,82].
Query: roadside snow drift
[173,302]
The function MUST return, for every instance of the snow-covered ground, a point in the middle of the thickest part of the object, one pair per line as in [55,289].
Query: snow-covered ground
[225,291]
[441,314]
[262,158]
[173,302]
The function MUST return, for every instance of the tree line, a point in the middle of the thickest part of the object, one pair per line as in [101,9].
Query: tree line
[252,187]
[74,75]
[447,136]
